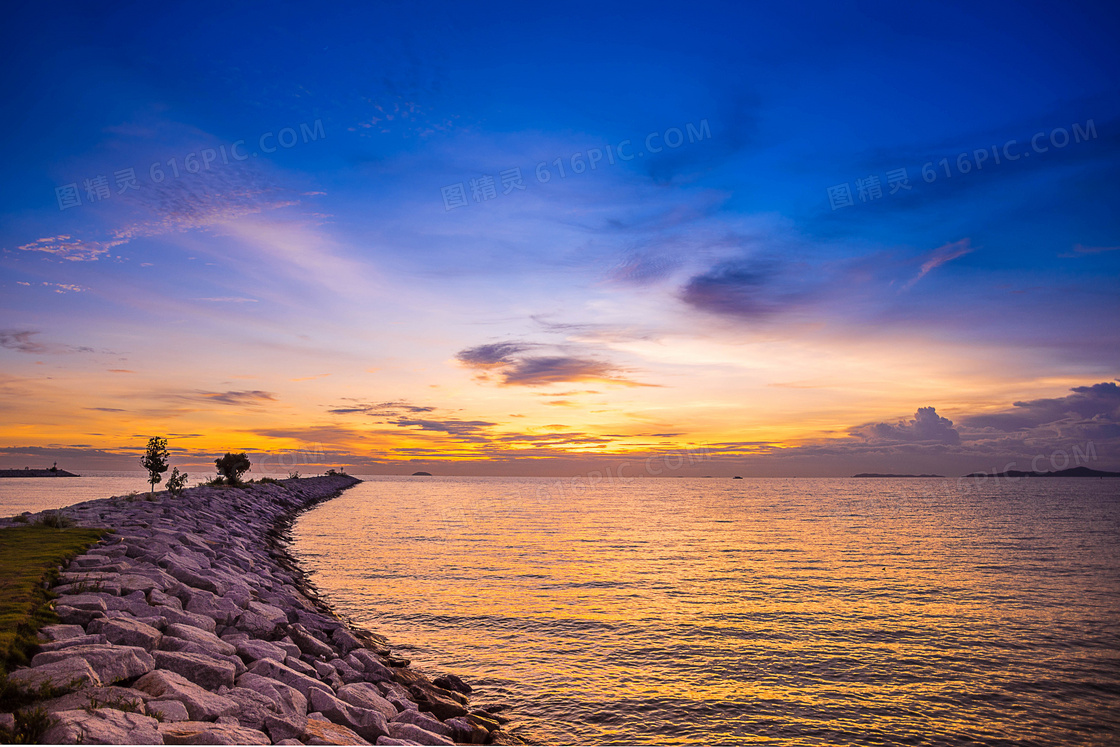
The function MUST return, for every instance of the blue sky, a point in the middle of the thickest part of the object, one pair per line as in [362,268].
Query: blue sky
[716,291]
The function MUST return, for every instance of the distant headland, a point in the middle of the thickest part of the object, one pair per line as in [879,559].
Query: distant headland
[1072,472]
[876,474]
[28,472]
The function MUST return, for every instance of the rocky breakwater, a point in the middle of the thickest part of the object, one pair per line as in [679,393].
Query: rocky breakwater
[190,624]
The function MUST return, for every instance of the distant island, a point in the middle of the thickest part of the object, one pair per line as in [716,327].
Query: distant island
[1072,472]
[421,474]
[876,474]
[28,472]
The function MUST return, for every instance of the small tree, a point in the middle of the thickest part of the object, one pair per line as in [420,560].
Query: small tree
[232,467]
[176,482]
[155,460]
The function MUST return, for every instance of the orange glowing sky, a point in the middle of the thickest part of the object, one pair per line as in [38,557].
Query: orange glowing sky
[328,298]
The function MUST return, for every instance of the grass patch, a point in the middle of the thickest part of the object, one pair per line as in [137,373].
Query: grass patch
[28,556]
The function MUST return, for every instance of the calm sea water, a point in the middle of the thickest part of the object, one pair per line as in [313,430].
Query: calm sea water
[19,494]
[676,611]
[799,611]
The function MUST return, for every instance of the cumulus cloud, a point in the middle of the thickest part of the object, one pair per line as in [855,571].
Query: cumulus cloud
[1099,403]
[926,427]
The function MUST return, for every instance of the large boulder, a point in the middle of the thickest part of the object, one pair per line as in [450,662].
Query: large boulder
[365,695]
[126,632]
[257,626]
[121,698]
[60,632]
[424,721]
[84,640]
[172,615]
[201,732]
[112,663]
[290,700]
[371,667]
[277,671]
[366,722]
[63,674]
[308,643]
[464,731]
[251,650]
[413,733]
[345,640]
[202,637]
[201,705]
[168,710]
[254,706]
[326,732]
[206,671]
[84,602]
[102,726]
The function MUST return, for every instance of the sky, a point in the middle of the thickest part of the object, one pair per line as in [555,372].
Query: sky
[718,239]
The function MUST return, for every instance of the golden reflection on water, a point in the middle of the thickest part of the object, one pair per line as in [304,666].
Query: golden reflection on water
[734,612]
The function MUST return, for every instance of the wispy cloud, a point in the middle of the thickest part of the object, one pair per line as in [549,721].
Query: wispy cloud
[67,247]
[20,340]
[940,256]
[1079,250]
[254,397]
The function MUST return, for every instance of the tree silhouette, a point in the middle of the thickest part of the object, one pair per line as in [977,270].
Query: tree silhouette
[155,460]
[232,467]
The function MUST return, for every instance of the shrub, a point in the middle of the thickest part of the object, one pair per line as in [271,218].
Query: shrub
[232,467]
[176,482]
[55,520]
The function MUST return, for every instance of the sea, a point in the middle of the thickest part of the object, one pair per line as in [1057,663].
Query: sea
[716,611]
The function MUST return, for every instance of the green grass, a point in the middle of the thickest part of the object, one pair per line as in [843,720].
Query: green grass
[28,556]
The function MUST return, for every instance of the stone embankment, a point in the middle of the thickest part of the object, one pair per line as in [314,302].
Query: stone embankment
[190,624]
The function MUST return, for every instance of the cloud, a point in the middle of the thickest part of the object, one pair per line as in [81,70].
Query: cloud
[739,288]
[926,427]
[228,299]
[503,359]
[210,197]
[21,341]
[1081,251]
[491,355]
[245,397]
[940,256]
[467,430]
[382,410]
[75,250]
[1097,404]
